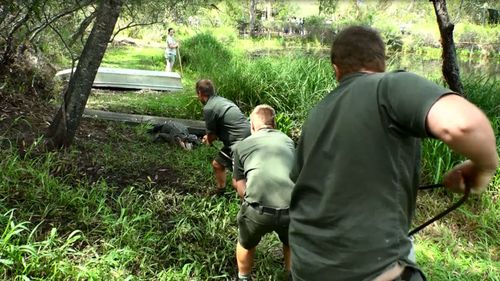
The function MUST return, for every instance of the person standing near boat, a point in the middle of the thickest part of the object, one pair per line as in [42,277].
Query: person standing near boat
[357,164]
[171,50]
[223,121]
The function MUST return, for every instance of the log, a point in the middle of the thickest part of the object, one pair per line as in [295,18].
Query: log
[196,127]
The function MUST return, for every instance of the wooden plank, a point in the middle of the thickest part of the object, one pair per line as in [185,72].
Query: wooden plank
[196,127]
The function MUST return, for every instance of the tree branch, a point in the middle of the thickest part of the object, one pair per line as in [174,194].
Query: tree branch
[130,25]
[49,21]
[82,27]
[7,52]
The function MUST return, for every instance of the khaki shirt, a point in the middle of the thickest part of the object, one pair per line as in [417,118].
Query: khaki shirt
[356,176]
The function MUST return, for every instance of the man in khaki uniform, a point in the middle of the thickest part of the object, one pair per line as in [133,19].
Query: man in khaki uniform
[224,121]
[262,165]
[356,170]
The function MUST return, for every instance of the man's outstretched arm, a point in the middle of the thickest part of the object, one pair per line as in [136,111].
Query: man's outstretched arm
[467,131]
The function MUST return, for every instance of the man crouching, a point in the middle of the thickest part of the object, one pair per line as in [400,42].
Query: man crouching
[262,164]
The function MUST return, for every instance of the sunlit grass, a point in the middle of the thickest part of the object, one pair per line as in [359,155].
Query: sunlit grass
[179,105]
[137,57]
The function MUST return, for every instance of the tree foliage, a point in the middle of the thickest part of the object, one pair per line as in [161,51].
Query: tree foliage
[327,7]
[25,23]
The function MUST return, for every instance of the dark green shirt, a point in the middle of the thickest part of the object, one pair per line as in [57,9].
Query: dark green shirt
[265,160]
[224,119]
[356,176]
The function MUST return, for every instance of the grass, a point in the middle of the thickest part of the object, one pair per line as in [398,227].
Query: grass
[132,222]
[147,58]
[286,83]
[119,207]
[184,105]
[141,212]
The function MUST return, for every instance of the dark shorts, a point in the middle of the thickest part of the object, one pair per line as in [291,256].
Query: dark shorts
[411,274]
[254,224]
[225,158]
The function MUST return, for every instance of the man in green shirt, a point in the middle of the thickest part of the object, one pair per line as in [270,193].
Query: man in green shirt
[356,170]
[224,121]
[262,165]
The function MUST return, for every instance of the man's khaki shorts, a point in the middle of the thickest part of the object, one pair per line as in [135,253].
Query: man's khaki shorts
[253,225]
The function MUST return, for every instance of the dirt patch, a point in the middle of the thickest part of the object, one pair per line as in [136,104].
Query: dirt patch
[87,169]
[25,118]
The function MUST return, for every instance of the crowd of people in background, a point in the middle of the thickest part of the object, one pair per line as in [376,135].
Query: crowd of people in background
[294,25]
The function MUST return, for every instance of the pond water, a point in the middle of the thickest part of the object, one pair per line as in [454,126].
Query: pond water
[489,67]
[432,68]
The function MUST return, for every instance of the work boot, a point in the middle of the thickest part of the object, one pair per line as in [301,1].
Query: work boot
[219,191]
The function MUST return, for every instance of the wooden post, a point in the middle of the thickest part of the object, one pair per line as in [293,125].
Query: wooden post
[180,60]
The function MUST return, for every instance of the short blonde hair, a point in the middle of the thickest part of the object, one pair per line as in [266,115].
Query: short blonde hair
[263,116]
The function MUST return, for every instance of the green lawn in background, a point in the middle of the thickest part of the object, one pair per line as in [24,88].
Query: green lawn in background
[135,57]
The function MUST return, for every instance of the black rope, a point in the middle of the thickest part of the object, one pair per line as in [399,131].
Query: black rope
[442,214]
[430,186]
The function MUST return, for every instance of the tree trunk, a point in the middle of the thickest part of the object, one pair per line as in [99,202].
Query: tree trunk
[252,17]
[269,11]
[450,69]
[61,131]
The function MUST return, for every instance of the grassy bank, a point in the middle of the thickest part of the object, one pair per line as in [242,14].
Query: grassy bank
[119,207]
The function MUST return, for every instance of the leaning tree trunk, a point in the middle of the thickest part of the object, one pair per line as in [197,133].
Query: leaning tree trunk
[451,72]
[62,130]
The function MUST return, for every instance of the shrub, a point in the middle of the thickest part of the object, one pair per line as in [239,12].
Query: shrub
[317,29]
[203,52]
[28,74]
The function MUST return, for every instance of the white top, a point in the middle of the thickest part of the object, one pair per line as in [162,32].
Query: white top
[171,41]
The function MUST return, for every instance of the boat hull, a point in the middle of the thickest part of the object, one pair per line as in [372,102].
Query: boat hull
[132,79]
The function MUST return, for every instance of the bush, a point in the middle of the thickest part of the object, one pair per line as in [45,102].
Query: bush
[318,30]
[28,75]
[203,52]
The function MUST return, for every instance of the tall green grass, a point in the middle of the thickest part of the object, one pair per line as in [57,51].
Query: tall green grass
[132,222]
[291,84]
[147,216]
[147,58]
